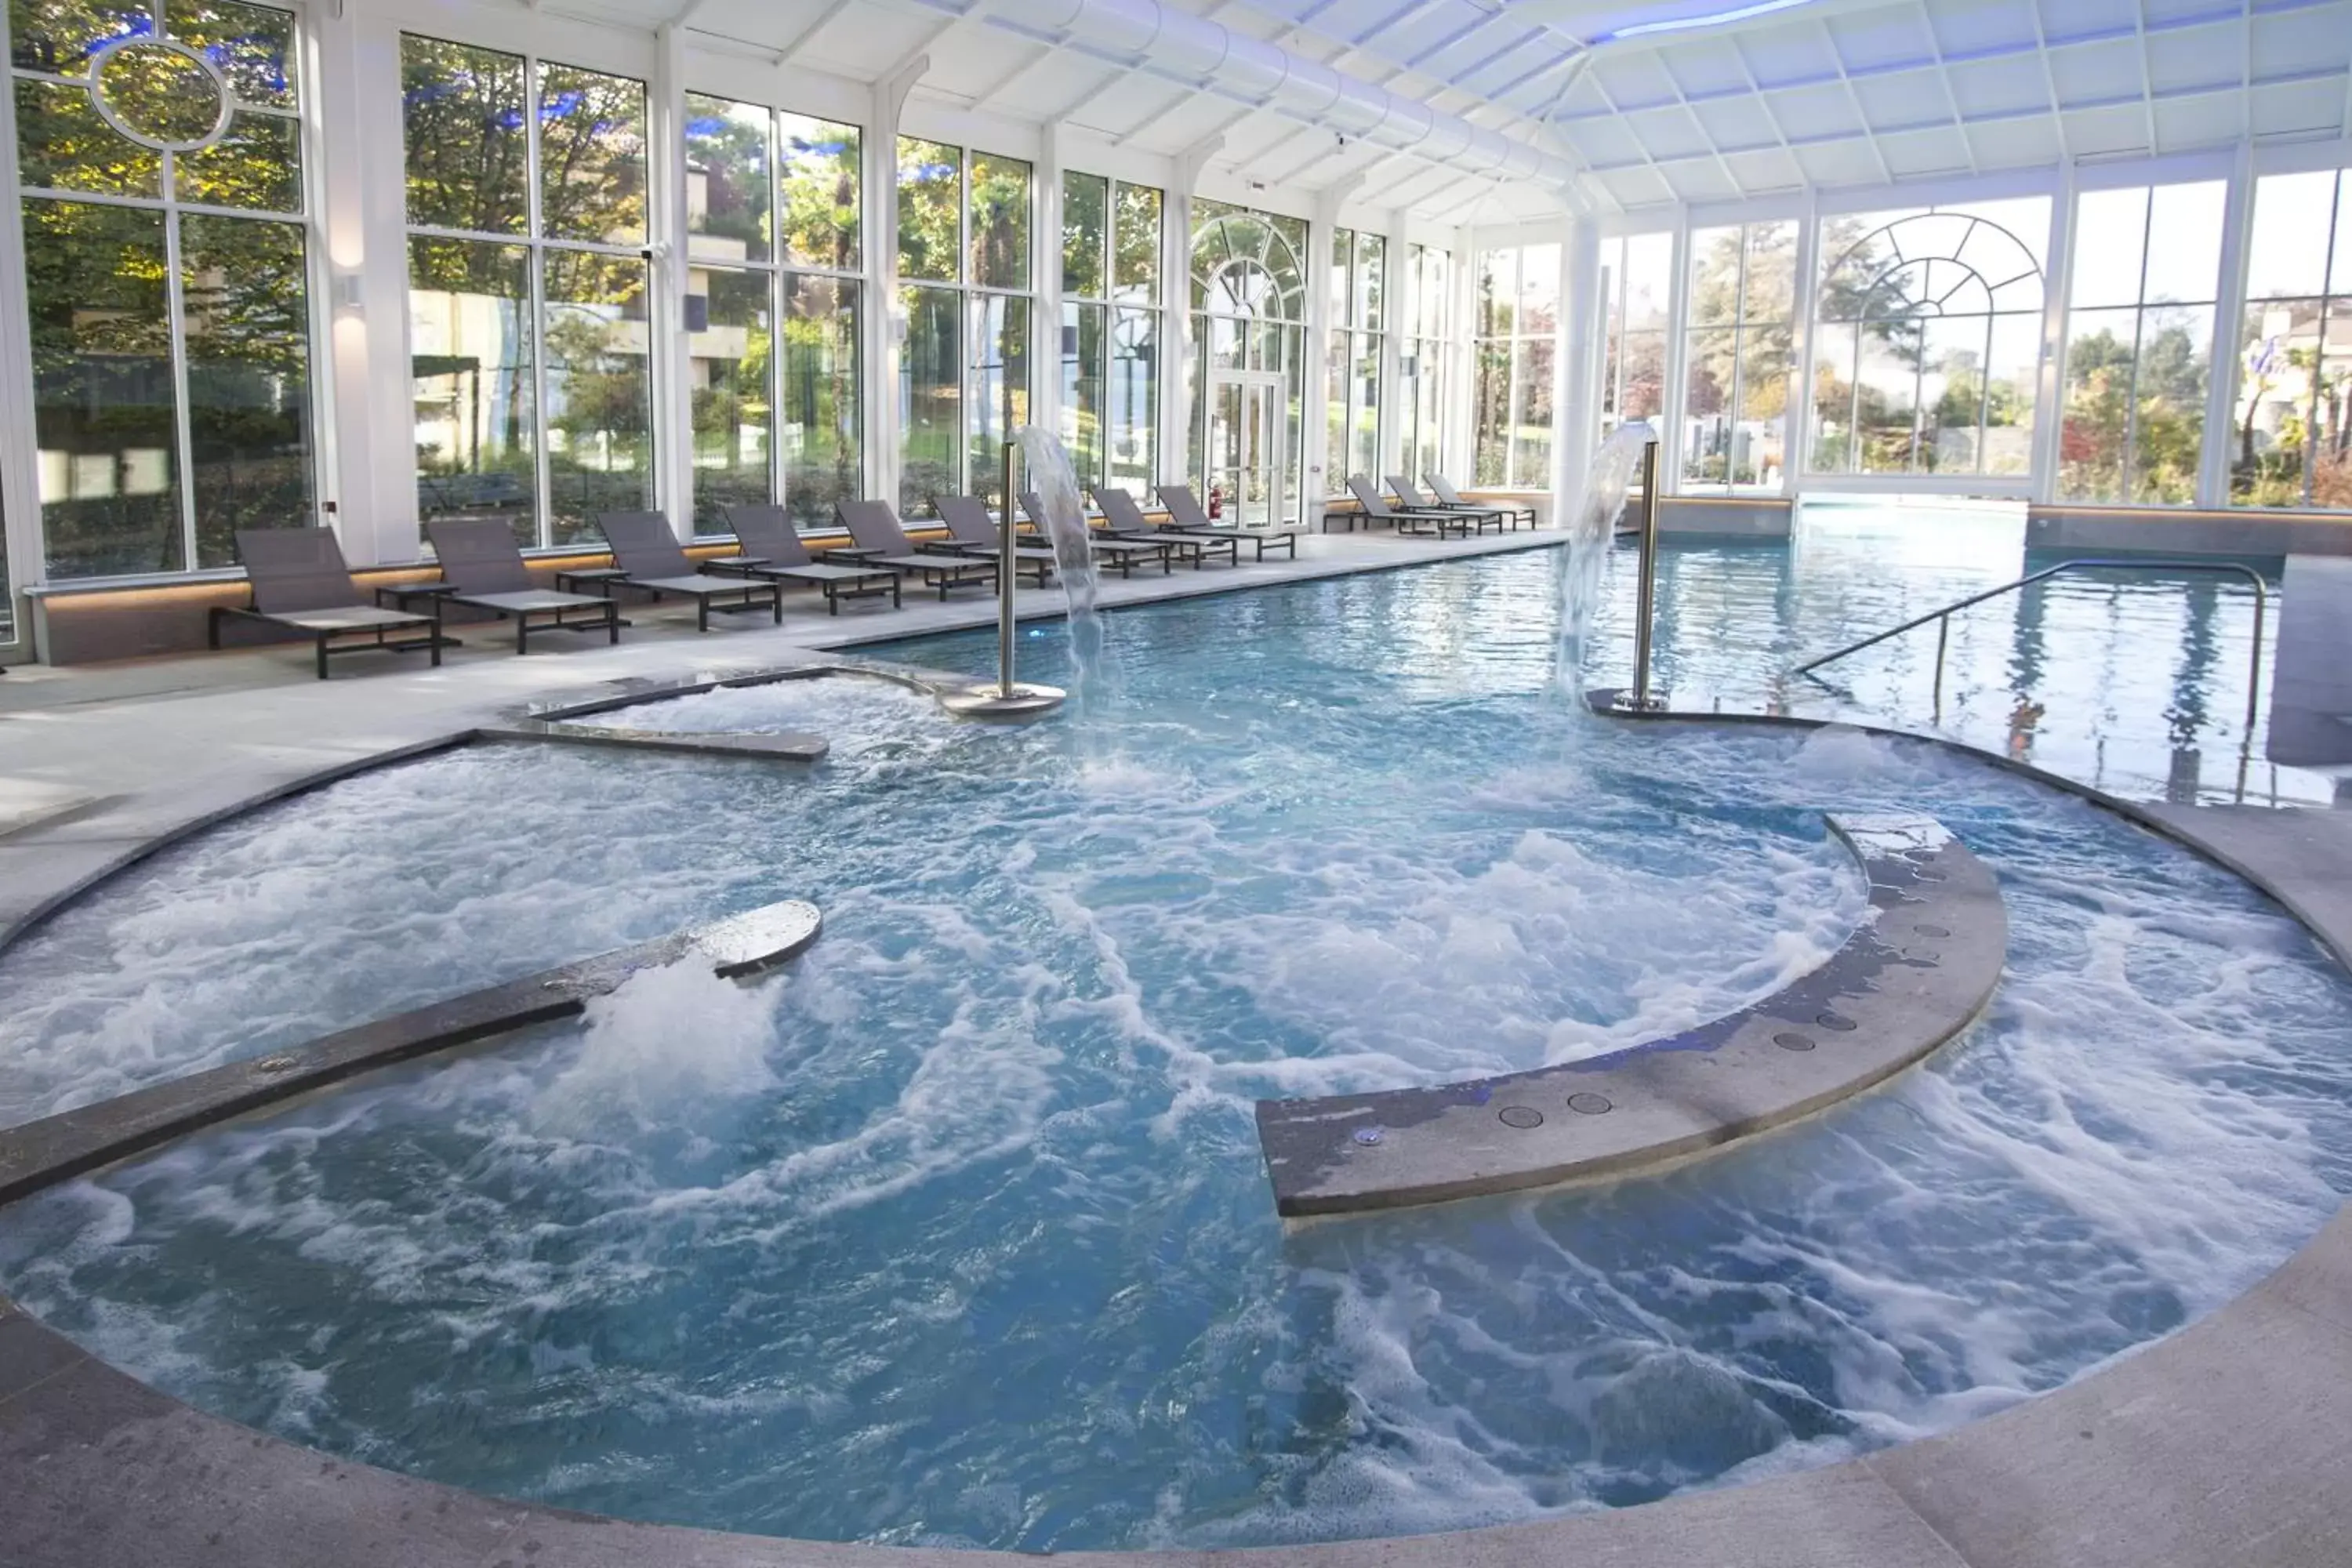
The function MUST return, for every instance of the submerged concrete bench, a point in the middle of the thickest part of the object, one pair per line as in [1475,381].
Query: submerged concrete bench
[1912,975]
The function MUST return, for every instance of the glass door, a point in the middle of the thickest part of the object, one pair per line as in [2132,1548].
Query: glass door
[1245,434]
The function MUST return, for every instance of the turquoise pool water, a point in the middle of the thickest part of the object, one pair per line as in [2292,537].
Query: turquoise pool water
[956,1230]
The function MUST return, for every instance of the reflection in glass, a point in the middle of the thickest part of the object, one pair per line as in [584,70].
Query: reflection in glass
[252,45]
[729,358]
[930,192]
[821,175]
[727,154]
[470,340]
[1000,222]
[591,157]
[1086,234]
[469,144]
[930,398]
[599,394]
[820,399]
[257,164]
[246,301]
[62,144]
[59,36]
[103,406]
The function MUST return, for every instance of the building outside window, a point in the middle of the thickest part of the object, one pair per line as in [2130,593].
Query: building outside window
[1928,340]
[1110,330]
[2292,441]
[1249,305]
[1637,285]
[526,297]
[1742,317]
[1359,312]
[773,236]
[1517,331]
[963,272]
[2139,342]
[1420,366]
[159,151]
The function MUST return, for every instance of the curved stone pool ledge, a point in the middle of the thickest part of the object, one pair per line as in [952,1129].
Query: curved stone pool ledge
[2229,1442]
[1915,972]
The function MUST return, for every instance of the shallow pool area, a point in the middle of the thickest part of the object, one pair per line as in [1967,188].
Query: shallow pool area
[956,1229]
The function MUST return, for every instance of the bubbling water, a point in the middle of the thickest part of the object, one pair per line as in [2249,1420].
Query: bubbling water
[1592,526]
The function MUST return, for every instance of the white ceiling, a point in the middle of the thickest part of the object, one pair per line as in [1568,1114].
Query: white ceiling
[1829,93]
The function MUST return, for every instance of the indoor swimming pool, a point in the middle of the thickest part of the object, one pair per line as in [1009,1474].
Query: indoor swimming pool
[956,1229]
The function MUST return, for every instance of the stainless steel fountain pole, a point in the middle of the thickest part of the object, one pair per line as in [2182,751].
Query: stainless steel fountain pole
[1004,579]
[1649,585]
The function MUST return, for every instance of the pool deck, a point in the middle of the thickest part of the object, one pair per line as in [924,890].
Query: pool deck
[2227,1443]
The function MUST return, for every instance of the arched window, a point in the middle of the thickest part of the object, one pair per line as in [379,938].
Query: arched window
[1927,347]
[1249,320]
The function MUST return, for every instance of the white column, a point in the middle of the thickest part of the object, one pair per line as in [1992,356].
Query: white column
[1677,372]
[885,327]
[1393,324]
[1576,365]
[669,342]
[1461,403]
[1797,450]
[2229,315]
[1179,353]
[1324,470]
[1046,321]
[2048,402]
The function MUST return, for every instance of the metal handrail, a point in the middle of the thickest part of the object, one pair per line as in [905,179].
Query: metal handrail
[1943,618]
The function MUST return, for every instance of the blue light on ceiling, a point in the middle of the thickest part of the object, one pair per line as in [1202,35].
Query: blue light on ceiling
[1712,19]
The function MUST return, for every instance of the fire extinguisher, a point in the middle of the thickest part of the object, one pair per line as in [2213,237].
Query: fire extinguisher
[1216,502]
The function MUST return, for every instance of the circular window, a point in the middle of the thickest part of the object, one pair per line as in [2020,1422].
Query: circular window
[161,94]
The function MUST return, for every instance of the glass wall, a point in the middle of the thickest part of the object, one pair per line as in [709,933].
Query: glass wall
[1358,281]
[2291,422]
[1421,368]
[1736,348]
[963,266]
[2139,342]
[533,391]
[1637,285]
[773,238]
[1249,305]
[1518,327]
[1110,330]
[158,151]
[1927,341]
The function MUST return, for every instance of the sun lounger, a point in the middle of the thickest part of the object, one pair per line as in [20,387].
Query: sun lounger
[1125,520]
[1412,501]
[647,556]
[1123,553]
[482,569]
[1185,508]
[772,551]
[877,540]
[300,583]
[1377,509]
[1448,496]
[972,533]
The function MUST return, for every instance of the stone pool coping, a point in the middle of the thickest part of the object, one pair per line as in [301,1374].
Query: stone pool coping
[1912,974]
[2226,1442]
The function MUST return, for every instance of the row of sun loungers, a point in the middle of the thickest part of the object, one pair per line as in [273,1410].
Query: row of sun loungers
[1410,513]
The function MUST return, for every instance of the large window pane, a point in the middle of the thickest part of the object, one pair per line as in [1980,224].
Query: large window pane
[2174,368]
[1135,240]
[1886,394]
[591,156]
[599,396]
[1370,307]
[63,145]
[1493,394]
[823,447]
[468,143]
[2286,254]
[246,299]
[103,406]
[1951,394]
[2275,349]
[257,163]
[1134,399]
[1086,235]
[2012,391]
[729,358]
[999,388]
[1714,276]
[930,193]
[2110,247]
[1833,446]
[1083,361]
[1364,406]
[59,36]
[821,174]
[1000,222]
[2331,428]
[1708,384]
[2184,243]
[728,181]
[931,398]
[1334,408]
[470,335]
[1759,443]
[2093,440]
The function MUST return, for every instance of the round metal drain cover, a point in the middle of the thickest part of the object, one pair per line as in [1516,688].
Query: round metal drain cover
[1368,1135]
[1588,1103]
[1790,1040]
[1520,1116]
[1838,1021]
[1933,930]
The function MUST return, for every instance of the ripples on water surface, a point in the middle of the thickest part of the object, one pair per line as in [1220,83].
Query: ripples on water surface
[956,1230]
